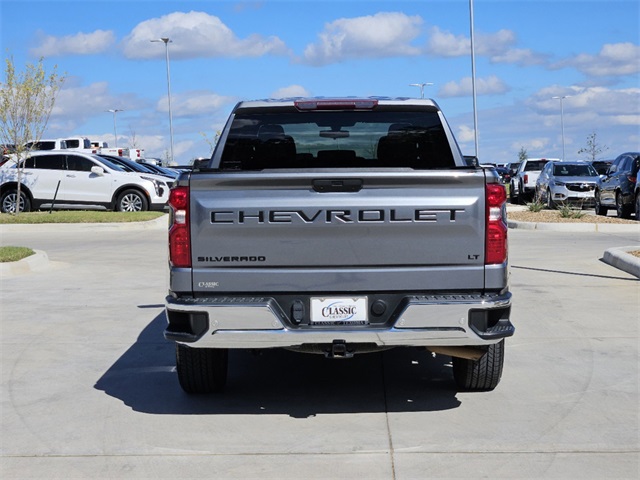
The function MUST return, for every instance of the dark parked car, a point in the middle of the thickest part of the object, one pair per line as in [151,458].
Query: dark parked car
[602,166]
[130,166]
[167,172]
[616,187]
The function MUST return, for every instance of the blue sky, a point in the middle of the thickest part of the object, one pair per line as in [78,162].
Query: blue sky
[527,51]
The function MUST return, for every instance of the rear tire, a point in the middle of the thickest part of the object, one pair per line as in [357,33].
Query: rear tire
[551,205]
[8,201]
[512,196]
[522,195]
[480,375]
[600,210]
[132,201]
[622,209]
[201,370]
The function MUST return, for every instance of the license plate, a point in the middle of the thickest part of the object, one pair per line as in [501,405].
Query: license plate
[339,311]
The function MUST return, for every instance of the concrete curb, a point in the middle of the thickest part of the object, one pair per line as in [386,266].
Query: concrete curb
[576,227]
[622,260]
[38,261]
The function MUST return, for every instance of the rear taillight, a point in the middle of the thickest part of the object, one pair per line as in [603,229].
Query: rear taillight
[179,234]
[496,221]
[526,178]
[632,178]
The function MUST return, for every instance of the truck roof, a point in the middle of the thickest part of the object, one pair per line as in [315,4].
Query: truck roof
[336,101]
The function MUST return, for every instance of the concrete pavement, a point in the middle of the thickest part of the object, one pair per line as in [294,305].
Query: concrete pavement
[89,389]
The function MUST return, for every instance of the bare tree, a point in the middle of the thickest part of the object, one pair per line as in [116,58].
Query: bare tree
[593,148]
[211,141]
[522,154]
[26,101]
[133,139]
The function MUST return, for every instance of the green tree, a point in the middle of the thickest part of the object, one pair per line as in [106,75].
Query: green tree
[26,101]
[522,154]
[593,148]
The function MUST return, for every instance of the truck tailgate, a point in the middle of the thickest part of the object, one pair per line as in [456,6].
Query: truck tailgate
[321,230]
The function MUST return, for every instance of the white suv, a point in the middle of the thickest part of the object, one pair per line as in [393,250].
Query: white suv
[66,179]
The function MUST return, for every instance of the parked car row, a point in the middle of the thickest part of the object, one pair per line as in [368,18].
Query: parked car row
[73,179]
[604,185]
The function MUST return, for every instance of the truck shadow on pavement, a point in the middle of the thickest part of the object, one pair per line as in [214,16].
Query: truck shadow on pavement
[281,382]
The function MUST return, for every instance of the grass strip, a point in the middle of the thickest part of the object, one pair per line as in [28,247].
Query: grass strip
[13,254]
[78,216]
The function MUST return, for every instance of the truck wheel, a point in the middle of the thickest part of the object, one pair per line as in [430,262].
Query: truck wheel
[131,201]
[600,210]
[522,197]
[201,370]
[483,374]
[623,210]
[8,201]
[513,199]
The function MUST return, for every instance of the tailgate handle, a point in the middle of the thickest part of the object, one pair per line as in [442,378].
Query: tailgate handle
[337,185]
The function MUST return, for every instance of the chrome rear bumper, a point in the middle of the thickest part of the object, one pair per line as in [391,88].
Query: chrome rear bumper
[258,322]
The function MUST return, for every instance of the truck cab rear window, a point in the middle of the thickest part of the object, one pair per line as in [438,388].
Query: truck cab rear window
[330,139]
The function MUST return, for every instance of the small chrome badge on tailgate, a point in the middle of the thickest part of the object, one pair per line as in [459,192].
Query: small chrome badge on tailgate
[339,311]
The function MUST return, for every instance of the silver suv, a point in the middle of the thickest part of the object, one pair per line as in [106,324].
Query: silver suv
[63,179]
[567,183]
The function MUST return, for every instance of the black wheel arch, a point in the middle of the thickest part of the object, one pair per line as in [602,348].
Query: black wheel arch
[13,186]
[123,188]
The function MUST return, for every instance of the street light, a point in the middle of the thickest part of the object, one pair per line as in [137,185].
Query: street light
[473,79]
[115,133]
[561,98]
[421,85]
[167,41]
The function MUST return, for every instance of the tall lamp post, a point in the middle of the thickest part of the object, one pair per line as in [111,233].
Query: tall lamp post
[473,79]
[167,41]
[561,98]
[421,85]
[115,132]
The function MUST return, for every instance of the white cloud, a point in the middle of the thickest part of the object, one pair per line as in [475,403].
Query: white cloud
[498,47]
[384,34]
[446,44]
[78,103]
[465,134]
[597,101]
[291,91]
[531,144]
[614,59]
[194,103]
[196,34]
[484,86]
[78,44]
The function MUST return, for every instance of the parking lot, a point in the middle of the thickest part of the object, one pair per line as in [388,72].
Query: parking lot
[89,388]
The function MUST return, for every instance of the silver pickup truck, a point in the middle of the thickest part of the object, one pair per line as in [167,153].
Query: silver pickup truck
[338,226]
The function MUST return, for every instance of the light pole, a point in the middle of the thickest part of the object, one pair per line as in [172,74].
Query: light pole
[115,132]
[561,98]
[473,79]
[421,85]
[167,41]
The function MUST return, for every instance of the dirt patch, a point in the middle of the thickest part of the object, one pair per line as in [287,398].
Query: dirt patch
[554,216]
